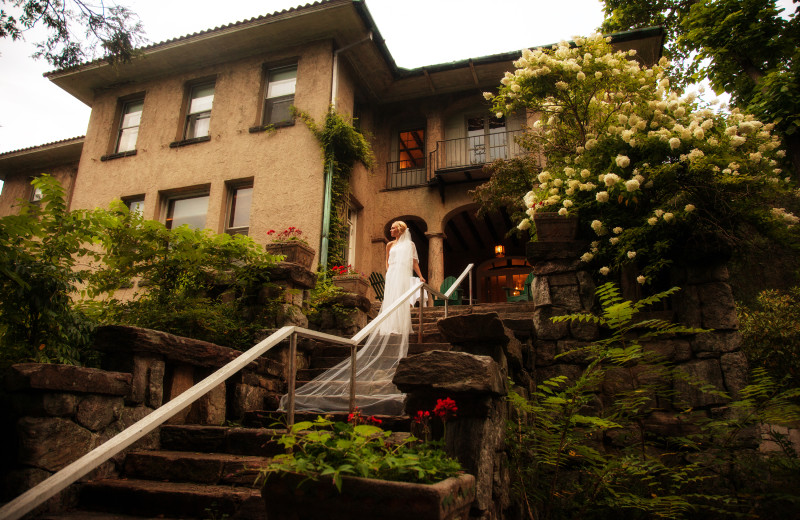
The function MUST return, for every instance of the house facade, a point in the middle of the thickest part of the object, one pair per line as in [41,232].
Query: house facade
[197,130]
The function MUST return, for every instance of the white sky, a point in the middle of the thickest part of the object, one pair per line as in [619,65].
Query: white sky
[34,111]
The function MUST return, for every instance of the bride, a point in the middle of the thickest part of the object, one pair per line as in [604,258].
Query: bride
[377,360]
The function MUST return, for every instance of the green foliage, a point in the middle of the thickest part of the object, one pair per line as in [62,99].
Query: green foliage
[771,334]
[759,67]
[563,466]
[324,448]
[109,30]
[43,262]
[654,178]
[342,145]
[508,179]
[193,282]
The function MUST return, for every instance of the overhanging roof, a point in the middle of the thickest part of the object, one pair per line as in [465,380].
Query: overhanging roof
[346,22]
[30,160]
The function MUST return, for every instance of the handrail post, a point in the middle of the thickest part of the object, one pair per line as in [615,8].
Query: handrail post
[470,289]
[421,305]
[445,306]
[292,377]
[353,358]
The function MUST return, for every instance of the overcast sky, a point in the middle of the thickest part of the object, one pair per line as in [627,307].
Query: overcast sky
[34,111]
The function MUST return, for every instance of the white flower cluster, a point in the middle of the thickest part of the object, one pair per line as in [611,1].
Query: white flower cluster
[785,216]
[599,165]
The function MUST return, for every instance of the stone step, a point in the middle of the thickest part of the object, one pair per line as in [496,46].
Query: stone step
[392,423]
[180,499]
[258,442]
[200,468]
[100,515]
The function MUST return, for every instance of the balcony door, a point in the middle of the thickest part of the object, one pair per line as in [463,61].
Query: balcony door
[487,139]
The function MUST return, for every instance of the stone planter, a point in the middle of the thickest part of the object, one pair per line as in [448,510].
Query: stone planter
[552,227]
[295,252]
[294,497]
[352,283]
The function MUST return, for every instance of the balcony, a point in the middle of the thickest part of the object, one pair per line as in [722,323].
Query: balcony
[455,160]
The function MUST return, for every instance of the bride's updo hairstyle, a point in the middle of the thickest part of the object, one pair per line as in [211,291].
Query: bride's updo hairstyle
[403,226]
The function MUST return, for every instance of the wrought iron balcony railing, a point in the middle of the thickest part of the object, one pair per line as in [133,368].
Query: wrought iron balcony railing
[474,151]
[402,174]
[454,155]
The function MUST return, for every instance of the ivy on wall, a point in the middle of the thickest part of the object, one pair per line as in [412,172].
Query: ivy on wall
[342,145]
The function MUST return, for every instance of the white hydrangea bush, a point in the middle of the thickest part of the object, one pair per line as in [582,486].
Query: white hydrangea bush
[642,166]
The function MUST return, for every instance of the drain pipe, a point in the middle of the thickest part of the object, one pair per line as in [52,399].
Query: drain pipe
[326,206]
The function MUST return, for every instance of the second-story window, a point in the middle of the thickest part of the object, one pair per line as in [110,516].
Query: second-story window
[129,126]
[198,116]
[279,95]
[411,149]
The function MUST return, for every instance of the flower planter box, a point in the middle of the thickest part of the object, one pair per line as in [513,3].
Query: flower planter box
[552,227]
[294,497]
[295,252]
[352,283]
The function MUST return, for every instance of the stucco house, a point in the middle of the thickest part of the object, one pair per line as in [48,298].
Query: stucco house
[178,134]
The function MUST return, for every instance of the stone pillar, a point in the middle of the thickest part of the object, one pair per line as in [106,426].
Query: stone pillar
[435,259]
[475,436]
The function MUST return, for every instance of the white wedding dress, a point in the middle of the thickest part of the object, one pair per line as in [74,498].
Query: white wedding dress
[377,360]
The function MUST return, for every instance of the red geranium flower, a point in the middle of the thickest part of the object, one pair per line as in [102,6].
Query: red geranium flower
[445,409]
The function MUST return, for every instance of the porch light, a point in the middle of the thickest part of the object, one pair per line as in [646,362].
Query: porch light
[499,251]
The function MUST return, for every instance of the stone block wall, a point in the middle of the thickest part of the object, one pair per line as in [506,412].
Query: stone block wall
[563,286]
[57,413]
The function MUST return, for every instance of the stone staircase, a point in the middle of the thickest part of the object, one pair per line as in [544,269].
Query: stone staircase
[516,316]
[211,472]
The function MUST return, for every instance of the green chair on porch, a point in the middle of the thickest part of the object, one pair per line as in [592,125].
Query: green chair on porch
[525,295]
[378,283]
[455,298]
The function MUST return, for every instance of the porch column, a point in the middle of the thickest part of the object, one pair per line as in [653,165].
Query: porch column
[435,259]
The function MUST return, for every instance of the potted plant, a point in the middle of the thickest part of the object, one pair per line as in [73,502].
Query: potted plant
[291,244]
[349,279]
[335,470]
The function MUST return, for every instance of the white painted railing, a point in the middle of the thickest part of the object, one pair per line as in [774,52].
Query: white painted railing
[68,475]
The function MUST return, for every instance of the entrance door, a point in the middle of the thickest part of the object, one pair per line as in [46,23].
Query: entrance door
[502,277]
[487,139]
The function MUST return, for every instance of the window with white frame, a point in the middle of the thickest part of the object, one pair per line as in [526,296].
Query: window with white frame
[198,115]
[129,126]
[36,195]
[187,209]
[279,95]
[352,221]
[240,198]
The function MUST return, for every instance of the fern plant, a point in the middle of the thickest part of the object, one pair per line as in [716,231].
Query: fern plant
[563,464]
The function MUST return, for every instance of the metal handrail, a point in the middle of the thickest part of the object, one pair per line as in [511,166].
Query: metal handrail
[68,475]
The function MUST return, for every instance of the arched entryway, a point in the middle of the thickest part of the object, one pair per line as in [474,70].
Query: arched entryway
[471,238]
[417,227]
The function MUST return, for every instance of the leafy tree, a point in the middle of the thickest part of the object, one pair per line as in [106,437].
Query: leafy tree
[113,28]
[44,260]
[191,282]
[744,47]
[652,177]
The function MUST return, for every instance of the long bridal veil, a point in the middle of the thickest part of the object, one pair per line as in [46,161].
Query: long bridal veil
[377,360]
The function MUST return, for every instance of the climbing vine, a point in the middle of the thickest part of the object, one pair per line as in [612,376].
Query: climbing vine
[342,145]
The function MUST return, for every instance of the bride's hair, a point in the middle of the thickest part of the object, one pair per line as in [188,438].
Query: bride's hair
[403,226]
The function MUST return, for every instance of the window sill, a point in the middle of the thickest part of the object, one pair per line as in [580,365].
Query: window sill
[187,142]
[120,155]
[267,128]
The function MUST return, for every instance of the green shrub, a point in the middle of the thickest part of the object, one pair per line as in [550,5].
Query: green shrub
[44,260]
[771,334]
